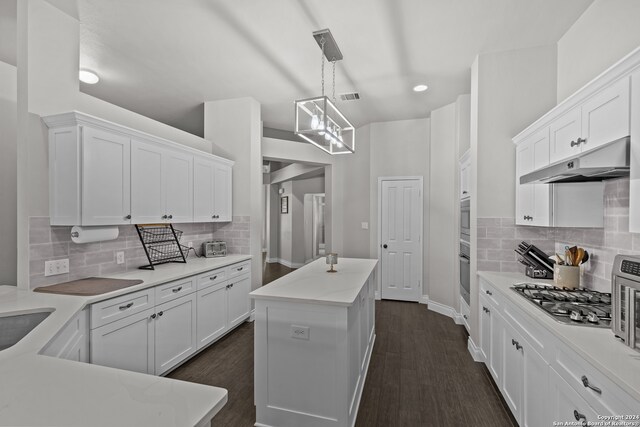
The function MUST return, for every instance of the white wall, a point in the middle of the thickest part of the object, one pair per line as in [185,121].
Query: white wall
[8,173]
[285,226]
[442,284]
[606,31]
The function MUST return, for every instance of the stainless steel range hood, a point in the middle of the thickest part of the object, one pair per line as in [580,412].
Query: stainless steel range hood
[608,161]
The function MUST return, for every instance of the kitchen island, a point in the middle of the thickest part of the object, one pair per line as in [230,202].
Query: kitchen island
[314,333]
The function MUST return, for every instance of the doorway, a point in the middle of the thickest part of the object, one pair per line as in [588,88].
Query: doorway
[314,212]
[400,237]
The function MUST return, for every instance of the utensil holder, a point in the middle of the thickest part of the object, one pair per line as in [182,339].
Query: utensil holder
[566,276]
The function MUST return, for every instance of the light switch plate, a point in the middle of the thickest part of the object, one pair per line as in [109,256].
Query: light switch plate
[300,332]
[365,225]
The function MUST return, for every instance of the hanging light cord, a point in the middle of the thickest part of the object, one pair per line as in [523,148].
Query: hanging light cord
[322,42]
[333,61]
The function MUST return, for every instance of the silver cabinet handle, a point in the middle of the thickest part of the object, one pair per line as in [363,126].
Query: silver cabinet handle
[170,216]
[488,292]
[124,307]
[231,285]
[153,316]
[465,192]
[579,417]
[516,343]
[164,217]
[585,382]
[486,310]
[465,316]
[127,217]
[160,313]
[240,269]
[213,278]
[178,289]
[574,143]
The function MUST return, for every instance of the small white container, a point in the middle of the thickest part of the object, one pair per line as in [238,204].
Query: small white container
[566,276]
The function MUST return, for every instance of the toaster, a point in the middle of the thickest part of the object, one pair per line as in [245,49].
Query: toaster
[215,248]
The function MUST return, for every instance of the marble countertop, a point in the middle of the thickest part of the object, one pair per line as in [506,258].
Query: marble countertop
[39,390]
[598,346]
[312,283]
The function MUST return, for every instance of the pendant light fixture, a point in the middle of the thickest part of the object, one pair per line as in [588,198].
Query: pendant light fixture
[318,120]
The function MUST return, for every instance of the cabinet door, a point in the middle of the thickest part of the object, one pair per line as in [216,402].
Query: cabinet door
[605,116]
[203,181]
[125,344]
[524,192]
[566,404]
[106,180]
[541,192]
[147,197]
[464,180]
[535,405]
[563,131]
[177,184]
[497,347]
[513,371]
[238,300]
[72,342]
[212,314]
[175,338]
[485,330]
[222,192]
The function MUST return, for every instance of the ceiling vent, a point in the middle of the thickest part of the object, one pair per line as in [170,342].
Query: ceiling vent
[350,96]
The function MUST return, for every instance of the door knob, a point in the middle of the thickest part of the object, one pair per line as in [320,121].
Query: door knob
[384,246]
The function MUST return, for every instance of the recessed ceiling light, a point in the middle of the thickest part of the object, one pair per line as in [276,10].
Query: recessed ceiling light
[420,88]
[88,77]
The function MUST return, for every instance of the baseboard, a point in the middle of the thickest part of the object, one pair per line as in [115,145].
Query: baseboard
[272,260]
[424,299]
[458,319]
[474,350]
[290,264]
[441,309]
[377,295]
[252,316]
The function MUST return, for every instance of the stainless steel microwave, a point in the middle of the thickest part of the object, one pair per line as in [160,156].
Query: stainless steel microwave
[625,300]
[465,220]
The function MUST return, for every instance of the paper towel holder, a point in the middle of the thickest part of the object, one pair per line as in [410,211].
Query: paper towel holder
[80,234]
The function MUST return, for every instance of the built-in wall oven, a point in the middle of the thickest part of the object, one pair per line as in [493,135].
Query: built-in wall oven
[465,220]
[625,299]
[465,270]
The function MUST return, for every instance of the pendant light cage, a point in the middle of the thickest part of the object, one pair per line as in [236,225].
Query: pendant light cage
[318,120]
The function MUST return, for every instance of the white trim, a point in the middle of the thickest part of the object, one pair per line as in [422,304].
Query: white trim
[377,295]
[458,319]
[252,316]
[441,309]
[421,257]
[424,299]
[474,350]
[364,378]
[271,260]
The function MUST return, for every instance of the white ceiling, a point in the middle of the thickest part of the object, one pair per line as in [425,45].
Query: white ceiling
[165,58]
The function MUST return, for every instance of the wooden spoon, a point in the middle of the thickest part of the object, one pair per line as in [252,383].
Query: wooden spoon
[580,256]
[574,255]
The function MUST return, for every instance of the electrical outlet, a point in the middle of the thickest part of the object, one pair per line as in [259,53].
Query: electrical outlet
[120,257]
[190,244]
[58,266]
[300,332]
[365,225]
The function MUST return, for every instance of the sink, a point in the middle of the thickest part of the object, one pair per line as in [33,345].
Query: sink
[14,327]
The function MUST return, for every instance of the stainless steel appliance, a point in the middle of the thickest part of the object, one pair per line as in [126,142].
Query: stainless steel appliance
[538,265]
[216,248]
[625,288]
[465,270]
[465,220]
[571,306]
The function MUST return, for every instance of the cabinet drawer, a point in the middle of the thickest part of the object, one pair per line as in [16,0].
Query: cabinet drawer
[120,307]
[172,290]
[493,297]
[611,400]
[211,278]
[537,337]
[238,269]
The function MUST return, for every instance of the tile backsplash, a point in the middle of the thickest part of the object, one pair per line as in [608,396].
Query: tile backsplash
[99,259]
[497,237]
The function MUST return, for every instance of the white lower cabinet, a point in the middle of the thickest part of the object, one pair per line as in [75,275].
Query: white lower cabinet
[72,342]
[491,338]
[175,332]
[566,404]
[159,338]
[126,344]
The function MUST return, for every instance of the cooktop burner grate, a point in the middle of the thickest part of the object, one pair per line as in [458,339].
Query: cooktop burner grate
[584,307]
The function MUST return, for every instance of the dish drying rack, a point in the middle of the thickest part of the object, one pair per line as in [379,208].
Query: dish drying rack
[161,243]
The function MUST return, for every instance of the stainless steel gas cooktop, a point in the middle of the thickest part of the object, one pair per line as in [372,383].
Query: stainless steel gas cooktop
[571,306]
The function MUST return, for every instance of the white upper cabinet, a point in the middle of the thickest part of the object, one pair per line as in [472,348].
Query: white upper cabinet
[212,186]
[106,183]
[533,200]
[565,132]
[101,173]
[465,176]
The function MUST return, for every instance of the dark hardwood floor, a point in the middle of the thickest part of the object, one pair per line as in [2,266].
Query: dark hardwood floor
[272,271]
[421,374]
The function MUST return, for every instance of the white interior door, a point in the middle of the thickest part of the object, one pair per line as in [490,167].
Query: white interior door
[400,238]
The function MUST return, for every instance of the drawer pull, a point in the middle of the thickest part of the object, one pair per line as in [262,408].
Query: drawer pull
[585,382]
[516,343]
[579,417]
[153,316]
[465,316]
[240,268]
[124,307]
[160,313]
[213,278]
[178,289]
[486,310]
[488,292]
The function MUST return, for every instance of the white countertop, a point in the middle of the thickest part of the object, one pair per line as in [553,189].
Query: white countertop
[38,390]
[598,346]
[312,283]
